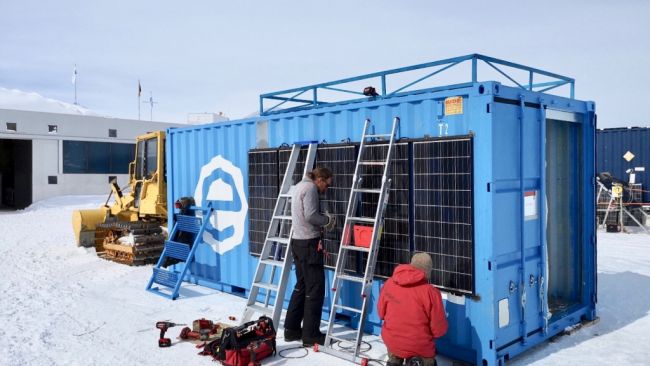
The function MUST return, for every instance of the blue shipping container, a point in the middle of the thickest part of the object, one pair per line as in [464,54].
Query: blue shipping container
[534,252]
[611,146]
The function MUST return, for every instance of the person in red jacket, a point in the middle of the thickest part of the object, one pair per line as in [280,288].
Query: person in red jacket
[413,314]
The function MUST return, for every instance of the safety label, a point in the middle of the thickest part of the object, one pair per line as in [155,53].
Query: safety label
[453,105]
[530,205]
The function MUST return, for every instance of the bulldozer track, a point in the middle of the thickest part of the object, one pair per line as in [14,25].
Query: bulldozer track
[147,242]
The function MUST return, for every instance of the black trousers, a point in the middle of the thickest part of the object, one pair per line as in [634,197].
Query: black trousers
[306,304]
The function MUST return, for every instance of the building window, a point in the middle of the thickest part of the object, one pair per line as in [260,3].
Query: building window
[51,179]
[112,133]
[12,127]
[52,128]
[89,157]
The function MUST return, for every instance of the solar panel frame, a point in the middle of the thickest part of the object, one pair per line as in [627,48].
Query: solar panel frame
[443,210]
[263,188]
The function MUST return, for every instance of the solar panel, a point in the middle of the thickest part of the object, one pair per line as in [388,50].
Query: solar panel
[341,159]
[263,189]
[443,227]
[394,247]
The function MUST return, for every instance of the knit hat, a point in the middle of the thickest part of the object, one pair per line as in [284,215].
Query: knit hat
[423,261]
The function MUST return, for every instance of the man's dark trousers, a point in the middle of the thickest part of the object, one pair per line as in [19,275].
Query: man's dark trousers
[306,302]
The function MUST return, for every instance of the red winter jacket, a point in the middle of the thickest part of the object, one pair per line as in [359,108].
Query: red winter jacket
[412,312]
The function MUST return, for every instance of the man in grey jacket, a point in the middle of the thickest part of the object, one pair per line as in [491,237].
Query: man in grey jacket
[306,304]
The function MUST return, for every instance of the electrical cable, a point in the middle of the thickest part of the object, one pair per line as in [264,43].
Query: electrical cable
[351,347]
[280,353]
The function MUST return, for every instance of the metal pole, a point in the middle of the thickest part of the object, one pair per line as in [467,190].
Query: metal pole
[74,79]
[151,103]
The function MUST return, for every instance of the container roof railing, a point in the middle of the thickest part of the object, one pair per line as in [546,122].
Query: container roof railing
[296,99]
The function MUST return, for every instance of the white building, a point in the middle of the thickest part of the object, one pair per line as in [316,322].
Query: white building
[46,154]
[203,118]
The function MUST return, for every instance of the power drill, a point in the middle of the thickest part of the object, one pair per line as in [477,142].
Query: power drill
[163,326]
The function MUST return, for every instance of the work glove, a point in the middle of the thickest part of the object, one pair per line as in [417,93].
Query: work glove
[331,221]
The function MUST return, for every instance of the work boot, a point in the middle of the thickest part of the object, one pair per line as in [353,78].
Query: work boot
[421,361]
[394,360]
[291,335]
[308,341]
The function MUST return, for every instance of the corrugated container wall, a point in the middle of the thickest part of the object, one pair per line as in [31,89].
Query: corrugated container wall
[612,145]
[533,255]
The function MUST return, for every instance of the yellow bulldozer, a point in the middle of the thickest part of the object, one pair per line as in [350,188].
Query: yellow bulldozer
[133,229]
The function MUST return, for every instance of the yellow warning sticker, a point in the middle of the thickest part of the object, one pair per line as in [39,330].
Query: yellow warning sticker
[628,156]
[453,105]
[617,190]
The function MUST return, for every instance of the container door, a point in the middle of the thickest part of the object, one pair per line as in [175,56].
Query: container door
[564,197]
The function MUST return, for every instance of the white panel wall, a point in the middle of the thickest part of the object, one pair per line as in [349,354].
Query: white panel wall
[47,161]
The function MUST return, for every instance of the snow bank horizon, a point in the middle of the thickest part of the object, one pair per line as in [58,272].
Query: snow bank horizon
[34,102]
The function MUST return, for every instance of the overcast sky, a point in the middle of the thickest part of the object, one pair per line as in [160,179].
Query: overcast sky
[211,56]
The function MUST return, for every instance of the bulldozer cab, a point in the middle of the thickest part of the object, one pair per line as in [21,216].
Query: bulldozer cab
[147,175]
[146,159]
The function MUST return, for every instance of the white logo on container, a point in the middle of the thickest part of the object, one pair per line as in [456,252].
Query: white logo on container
[223,185]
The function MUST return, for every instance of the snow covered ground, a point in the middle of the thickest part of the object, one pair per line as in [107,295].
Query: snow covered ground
[61,305]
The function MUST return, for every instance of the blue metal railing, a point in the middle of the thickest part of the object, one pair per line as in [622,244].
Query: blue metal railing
[292,95]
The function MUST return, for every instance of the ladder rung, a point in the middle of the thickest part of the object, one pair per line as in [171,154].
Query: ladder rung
[351,278]
[362,219]
[348,355]
[164,277]
[339,339]
[260,309]
[265,285]
[356,248]
[372,163]
[285,195]
[177,250]
[282,217]
[272,262]
[343,307]
[367,190]
[381,135]
[278,240]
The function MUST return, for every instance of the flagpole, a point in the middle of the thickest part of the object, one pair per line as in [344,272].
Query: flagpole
[74,81]
[139,92]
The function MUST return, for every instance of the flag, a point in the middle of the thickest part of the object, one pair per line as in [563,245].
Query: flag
[139,89]
[74,74]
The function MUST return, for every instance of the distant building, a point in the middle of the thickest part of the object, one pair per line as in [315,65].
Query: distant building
[203,118]
[50,154]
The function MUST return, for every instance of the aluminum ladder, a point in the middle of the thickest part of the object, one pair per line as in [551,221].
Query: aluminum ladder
[179,251]
[352,353]
[277,239]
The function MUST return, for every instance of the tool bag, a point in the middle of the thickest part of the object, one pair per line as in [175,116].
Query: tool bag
[246,344]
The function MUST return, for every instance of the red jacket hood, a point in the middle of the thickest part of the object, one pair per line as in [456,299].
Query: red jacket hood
[406,275]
